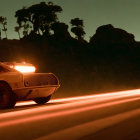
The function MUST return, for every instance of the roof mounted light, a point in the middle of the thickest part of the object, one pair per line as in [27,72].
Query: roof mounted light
[22,67]
[25,68]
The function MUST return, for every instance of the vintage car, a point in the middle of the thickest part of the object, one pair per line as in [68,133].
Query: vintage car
[17,86]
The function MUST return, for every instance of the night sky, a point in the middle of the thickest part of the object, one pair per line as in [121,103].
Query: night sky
[123,14]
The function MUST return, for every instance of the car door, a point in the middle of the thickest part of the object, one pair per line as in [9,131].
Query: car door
[13,78]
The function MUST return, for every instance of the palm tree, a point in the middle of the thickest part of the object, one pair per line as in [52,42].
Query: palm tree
[77,28]
[3,21]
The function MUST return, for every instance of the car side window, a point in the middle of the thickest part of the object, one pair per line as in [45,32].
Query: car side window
[2,69]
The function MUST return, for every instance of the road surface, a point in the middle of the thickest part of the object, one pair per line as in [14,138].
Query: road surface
[110,116]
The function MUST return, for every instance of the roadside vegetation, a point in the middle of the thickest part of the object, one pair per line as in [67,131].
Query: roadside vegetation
[109,61]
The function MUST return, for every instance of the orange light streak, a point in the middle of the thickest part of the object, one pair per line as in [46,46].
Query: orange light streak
[63,113]
[26,103]
[126,93]
[81,101]
[97,97]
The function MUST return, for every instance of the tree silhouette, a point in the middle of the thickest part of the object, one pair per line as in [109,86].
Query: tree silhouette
[107,36]
[60,30]
[77,28]
[26,28]
[0,34]
[17,29]
[41,16]
[3,21]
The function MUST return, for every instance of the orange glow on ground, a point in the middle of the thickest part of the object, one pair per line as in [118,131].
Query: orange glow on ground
[95,97]
[38,113]
[61,113]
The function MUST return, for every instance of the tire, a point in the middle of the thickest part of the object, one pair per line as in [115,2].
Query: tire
[42,100]
[7,97]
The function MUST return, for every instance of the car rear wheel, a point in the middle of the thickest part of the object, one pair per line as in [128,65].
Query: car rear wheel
[42,100]
[7,97]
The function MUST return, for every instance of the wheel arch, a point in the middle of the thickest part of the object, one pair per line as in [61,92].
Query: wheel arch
[5,82]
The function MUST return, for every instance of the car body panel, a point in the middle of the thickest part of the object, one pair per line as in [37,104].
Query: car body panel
[28,93]
[29,86]
[14,79]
